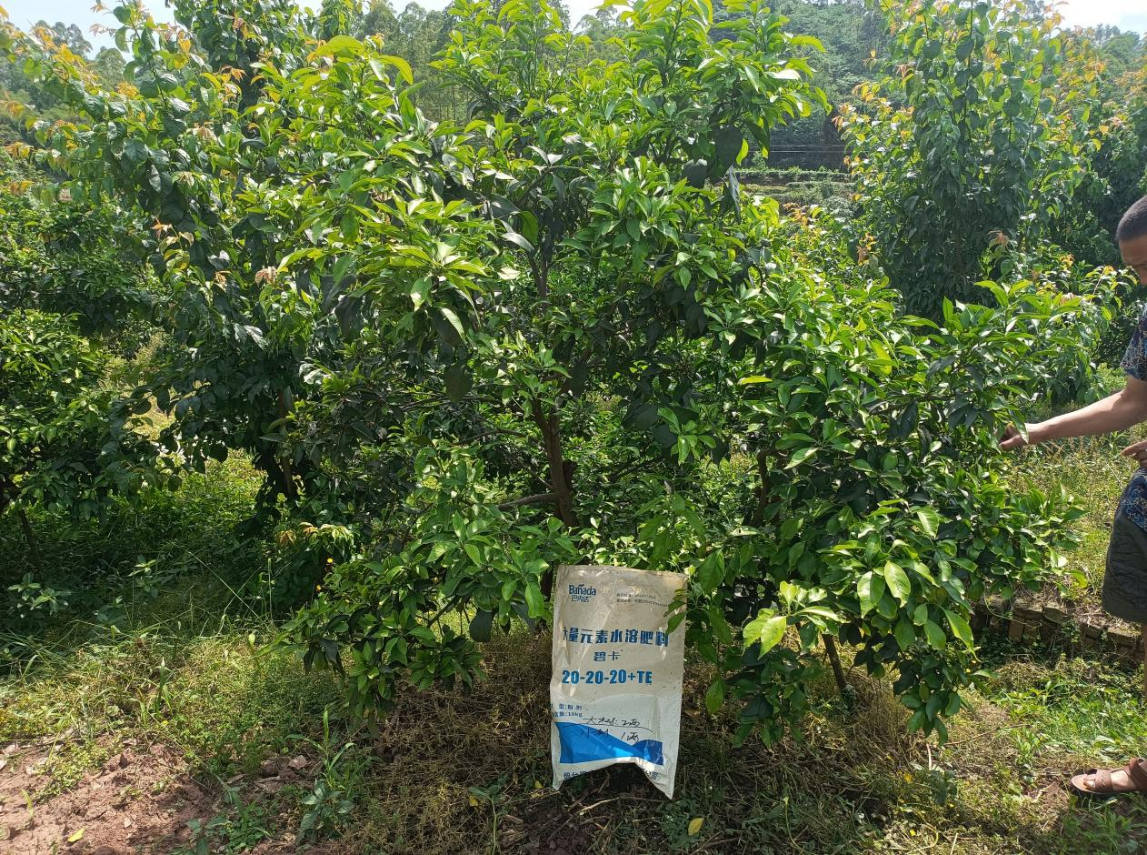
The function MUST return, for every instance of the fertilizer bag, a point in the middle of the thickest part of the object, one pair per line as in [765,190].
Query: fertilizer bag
[615,693]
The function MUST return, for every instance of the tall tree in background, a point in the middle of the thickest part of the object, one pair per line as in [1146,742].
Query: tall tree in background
[338,17]
[968,140]
[853,36]
[1117,165]
[417,35]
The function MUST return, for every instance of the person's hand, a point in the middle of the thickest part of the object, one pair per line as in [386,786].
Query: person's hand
[1013,439]
[1137,451]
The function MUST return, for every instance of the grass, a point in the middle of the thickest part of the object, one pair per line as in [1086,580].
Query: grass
[1092,471]
[183,662]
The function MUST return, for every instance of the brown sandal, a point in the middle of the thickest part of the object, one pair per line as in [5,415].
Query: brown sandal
[1097,782]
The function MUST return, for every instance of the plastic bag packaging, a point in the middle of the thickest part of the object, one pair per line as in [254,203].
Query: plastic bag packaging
[615,693]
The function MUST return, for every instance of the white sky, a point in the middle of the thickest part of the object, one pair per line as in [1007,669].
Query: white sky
[1125,14]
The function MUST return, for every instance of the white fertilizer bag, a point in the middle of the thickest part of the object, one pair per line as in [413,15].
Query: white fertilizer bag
[615,694]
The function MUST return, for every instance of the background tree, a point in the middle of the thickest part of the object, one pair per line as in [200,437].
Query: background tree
[967,140]
[853,38]
[338,17]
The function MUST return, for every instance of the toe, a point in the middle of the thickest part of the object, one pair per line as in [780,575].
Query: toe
[1084,782]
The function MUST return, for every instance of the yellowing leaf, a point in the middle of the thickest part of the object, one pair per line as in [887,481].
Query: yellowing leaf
[76,836]
[695,825]
[473,802]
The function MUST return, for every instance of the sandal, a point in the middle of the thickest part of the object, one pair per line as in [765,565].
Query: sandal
[1098,782]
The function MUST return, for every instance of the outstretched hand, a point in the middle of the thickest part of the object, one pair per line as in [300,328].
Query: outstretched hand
[1013,439]
[1137,451]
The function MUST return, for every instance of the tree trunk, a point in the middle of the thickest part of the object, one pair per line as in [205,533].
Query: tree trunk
[560,475]
[762,495]
[288,477]
[560,469]
[8,500]
[30,536]
[837,671]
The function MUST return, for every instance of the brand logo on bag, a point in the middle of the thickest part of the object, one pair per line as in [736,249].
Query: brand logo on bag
[582,593]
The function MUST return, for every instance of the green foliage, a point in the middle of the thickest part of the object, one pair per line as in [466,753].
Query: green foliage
[337,17]
[58,448]
[67,259]
[135,556]
[453,549]
[327,807]
[1116,174]
[873,508]
[417,34]
[968,139]
[852,34]
[462,354]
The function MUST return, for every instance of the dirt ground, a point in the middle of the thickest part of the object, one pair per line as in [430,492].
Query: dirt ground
[140,801]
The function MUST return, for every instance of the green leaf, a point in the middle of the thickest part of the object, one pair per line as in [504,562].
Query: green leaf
[535,602]
[920,615]
[898,582]
[715,697]
[711,571]
[458,381]
[376,65]
[727,144]
[870,589]
[953,705]
[800,456]
[452,319]
[340,44]
[960,628]
[517,240]
[767,628]
[936,637]
[481,625]
[418,292]
[905,634]
[929,521]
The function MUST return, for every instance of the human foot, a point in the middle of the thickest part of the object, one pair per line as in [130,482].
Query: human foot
[1103,782]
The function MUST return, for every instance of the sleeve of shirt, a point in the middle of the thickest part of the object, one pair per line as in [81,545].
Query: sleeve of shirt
[1134,361]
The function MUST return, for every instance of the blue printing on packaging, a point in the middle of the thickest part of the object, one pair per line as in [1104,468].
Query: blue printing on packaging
[583,744]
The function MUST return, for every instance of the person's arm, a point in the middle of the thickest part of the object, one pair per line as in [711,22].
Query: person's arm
[1116,412]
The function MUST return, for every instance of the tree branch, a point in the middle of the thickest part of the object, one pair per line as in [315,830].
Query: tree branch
[536,499]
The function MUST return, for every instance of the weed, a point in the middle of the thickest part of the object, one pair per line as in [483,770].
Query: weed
[237,829]
[331,800]
[492,795]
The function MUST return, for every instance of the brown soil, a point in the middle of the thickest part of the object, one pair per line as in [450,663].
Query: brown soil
[140,802]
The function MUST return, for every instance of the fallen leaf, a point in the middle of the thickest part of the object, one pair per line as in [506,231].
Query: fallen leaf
[695,825]
[76,836]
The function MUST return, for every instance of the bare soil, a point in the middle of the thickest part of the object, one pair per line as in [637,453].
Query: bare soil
[140,801]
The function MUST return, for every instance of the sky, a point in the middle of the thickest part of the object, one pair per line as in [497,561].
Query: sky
[1125,14]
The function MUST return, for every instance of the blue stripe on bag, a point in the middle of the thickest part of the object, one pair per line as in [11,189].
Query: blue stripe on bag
[582,744]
